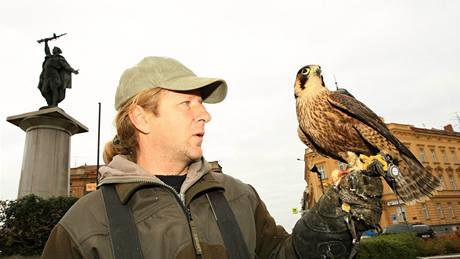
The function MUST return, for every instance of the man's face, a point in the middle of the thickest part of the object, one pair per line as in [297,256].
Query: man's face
[178,129]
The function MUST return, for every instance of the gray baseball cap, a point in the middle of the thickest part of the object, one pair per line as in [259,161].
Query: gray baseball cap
[169,74]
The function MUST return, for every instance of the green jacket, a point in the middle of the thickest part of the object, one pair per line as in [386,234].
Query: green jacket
[162,224]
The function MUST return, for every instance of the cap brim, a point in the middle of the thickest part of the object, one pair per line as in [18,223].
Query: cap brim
[213,90]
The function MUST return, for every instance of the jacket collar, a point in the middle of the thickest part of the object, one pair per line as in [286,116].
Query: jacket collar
[129,177]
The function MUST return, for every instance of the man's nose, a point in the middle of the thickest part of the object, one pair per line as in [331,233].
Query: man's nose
[203,114]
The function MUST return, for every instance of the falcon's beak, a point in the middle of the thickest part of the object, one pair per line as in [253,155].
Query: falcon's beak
[318,71]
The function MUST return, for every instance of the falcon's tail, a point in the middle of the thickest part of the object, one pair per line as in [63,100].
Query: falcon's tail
[415,183]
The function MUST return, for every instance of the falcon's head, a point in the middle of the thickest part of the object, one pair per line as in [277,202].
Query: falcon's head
[309,81]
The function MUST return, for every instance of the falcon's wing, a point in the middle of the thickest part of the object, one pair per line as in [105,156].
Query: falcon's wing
[360,111]
[307,140]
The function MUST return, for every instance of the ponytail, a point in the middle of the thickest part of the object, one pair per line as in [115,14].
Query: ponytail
[125,142]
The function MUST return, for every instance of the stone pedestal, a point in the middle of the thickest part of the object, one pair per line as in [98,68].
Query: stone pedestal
[46,159]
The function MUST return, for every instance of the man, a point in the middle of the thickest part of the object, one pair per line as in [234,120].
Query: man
[55,76]
[175,201]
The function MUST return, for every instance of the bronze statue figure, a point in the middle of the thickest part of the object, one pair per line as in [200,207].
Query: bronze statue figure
[56,75]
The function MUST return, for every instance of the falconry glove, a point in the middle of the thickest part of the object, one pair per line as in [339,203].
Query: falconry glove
[332,228]
[361,191]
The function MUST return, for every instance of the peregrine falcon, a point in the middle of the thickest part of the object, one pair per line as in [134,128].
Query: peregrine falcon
[339,126]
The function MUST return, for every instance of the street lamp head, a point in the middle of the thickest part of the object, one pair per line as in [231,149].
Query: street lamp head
[315,170]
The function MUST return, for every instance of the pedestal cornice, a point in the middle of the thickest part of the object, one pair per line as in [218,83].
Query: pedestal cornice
[54,117]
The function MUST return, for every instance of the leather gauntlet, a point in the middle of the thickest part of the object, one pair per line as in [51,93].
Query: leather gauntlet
[323,231]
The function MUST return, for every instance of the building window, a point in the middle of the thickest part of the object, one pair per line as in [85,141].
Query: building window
[433,156]
[454,156]
[453,184]
[450,210]
[439,209]
[425,213]
[441,180]
[322,171]
[422,155]
[393,219]
[444,156]
[342,165]
[401,214]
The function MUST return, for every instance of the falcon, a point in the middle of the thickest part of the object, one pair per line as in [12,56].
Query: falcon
[338,126]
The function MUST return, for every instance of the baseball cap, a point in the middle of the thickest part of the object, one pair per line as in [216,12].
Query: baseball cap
[169,74]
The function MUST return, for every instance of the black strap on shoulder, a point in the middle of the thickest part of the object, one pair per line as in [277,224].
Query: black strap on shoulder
[123,231]
[228,226]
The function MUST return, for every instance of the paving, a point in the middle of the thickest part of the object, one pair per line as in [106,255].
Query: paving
[452,256]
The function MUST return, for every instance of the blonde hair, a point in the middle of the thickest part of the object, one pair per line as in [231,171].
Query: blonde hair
[125,142]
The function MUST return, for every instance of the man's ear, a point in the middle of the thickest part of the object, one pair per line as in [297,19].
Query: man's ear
[139,117]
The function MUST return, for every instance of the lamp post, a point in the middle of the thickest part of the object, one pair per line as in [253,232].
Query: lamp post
[314,169]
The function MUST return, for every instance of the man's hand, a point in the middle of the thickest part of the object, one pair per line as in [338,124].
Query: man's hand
[362,192]
[335,223]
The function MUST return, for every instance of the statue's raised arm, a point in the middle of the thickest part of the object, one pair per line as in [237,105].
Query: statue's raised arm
[47,49]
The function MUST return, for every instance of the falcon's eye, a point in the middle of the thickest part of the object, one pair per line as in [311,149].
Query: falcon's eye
[305,71]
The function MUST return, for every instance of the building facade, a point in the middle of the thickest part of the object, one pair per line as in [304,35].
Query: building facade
[438,150]
[82,180]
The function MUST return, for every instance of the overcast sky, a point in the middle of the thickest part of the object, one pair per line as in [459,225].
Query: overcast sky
[401,58]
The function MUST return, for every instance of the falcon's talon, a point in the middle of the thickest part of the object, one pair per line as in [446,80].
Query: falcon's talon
[354,162]
[368,160]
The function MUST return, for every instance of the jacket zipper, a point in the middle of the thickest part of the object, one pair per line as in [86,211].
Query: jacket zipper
[180,198]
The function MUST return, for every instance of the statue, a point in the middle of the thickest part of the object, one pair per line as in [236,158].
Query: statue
[56,75]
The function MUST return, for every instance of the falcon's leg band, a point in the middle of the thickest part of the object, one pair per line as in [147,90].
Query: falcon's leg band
[392,170]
